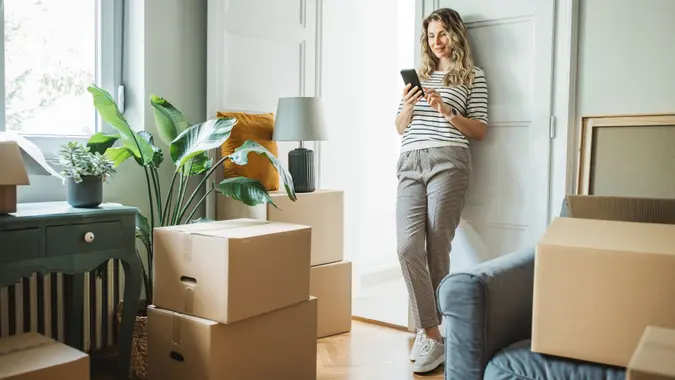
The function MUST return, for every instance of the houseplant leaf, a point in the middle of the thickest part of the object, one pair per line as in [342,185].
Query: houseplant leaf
[240,157]
[198,164]
[118,155]
[169,120]
[100,142]
[158,155]
[200,138]
[247,190]
[142,228]
[104,103]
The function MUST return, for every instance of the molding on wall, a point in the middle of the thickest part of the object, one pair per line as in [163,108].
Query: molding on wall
[213,10]
[565,142]
[570,126]
[318,82]
[215,60]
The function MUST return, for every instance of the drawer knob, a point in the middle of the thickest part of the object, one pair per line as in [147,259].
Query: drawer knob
[89,237]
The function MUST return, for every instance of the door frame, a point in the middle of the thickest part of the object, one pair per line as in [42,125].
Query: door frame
[563,119]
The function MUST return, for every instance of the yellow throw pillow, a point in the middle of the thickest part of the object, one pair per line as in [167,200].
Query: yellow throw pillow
[258,128]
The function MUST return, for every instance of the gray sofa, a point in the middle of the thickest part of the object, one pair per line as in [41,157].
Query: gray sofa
[488,321]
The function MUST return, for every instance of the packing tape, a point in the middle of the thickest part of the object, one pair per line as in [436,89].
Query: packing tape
[189,298]
[186,249]
[175,333]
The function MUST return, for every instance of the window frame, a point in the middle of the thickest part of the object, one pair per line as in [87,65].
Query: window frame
[109,64]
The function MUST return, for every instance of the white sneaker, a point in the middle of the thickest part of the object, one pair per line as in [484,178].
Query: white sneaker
[431,356]
[417,346]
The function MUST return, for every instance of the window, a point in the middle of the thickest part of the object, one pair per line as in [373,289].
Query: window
[53,49]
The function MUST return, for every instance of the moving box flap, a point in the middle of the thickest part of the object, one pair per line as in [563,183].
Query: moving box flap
[255,230]
[23,342]
[626,209]
[610,235]
[214,225]
[655,352]
[170,317]
[33,353]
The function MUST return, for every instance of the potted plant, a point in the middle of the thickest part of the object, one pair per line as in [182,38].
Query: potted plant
[189,145]
[83,173]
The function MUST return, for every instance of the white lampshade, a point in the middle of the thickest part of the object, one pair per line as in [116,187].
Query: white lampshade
[300,119]
[12,169]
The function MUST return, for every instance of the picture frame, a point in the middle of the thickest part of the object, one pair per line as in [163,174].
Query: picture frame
[591,126]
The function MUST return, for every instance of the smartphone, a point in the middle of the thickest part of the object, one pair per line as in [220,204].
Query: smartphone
[410,78]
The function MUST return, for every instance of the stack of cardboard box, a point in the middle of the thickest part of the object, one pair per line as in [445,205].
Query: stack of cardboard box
[232,301]
[331,275]
[602,276]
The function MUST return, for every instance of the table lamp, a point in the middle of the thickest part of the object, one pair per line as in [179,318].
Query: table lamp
[300,119]
[12,174]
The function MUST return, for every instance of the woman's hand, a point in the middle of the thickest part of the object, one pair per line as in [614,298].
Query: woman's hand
[411,96]
[470,128]
[436,102]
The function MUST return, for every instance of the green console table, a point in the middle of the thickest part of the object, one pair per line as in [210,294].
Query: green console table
[48,237]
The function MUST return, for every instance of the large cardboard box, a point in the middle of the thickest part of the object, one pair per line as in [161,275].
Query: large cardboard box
[323,210]
[599,283]
[654,358]
[231,270]
[277,345]
[332,285]
[31,356]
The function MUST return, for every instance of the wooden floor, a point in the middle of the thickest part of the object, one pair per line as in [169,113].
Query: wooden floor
[368,352]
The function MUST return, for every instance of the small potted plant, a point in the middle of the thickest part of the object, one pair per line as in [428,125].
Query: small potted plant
[83,174]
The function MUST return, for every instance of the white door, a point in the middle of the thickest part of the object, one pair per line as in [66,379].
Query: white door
[512,41]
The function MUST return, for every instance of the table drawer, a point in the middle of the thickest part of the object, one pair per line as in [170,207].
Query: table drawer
[19,245]
[83,238]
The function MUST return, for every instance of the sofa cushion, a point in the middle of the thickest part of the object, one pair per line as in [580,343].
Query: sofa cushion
[518,362]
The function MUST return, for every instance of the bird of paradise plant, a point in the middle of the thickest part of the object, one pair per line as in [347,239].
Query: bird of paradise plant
[189,146]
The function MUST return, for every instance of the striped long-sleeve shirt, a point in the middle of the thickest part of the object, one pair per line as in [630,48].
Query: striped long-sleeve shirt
[428,128]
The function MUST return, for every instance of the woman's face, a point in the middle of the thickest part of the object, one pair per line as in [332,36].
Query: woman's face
[438,39]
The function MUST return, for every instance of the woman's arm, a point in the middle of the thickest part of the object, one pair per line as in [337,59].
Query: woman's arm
[474,125]
[473,129]
[404,118]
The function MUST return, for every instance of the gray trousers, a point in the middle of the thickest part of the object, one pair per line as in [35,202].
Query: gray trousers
[432,188]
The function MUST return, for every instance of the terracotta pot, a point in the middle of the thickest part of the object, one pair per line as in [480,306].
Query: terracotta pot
[139,343]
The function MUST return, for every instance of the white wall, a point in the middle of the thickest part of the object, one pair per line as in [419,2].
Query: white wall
[165,54]
[362,88]
[341,156]
[626,58]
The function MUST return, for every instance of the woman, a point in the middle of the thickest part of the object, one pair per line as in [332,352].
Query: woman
[433,169]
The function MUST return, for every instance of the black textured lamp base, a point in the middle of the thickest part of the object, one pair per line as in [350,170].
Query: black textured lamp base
[301,167]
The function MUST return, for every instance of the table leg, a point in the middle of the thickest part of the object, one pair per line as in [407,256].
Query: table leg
[75,290]
[133,279]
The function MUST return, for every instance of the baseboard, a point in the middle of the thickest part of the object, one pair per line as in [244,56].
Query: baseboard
[380,323]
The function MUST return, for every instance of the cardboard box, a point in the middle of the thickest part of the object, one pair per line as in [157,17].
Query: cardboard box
[598,284]
[654,358]
[323,210]
[231,270]
[32,356]
[276,345]
[332,285]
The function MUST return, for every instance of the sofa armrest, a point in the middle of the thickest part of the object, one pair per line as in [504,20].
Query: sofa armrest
[486,308]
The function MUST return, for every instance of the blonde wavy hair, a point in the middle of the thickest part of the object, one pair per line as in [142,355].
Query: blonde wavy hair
[461,59]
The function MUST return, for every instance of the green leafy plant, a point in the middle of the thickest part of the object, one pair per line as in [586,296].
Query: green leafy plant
[79,161]
[189,145]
